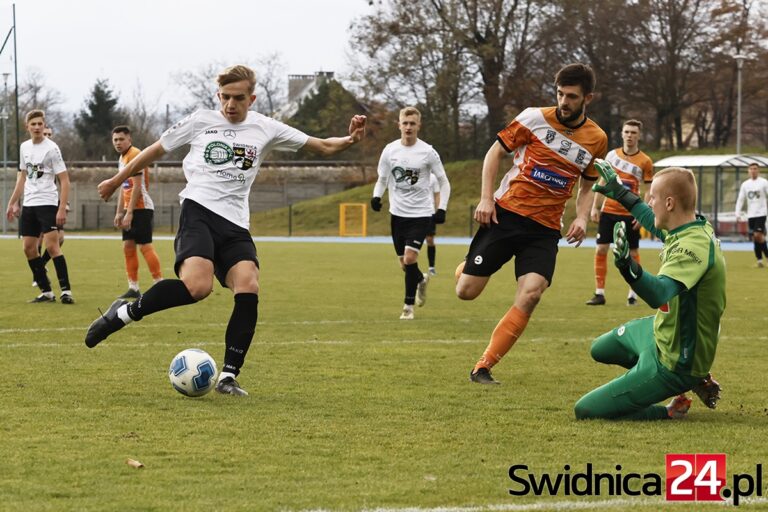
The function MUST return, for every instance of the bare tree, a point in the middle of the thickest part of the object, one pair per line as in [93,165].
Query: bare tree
[503,37]
[199,86]
[144,118]
[407,56]
[270,83]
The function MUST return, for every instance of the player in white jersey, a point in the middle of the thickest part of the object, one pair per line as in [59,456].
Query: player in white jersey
[226,151]
[434,185]
[44,210]
[44,255]
[755,191]
[404,169]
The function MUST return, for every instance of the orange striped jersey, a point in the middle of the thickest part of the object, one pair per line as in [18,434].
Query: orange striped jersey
[549,158]
[631,169]
[144,202]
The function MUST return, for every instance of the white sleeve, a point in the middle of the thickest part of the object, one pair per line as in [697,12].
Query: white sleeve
[739,200]
[442,179]
[285,138]
[383,172]
[55,160]
[180,133]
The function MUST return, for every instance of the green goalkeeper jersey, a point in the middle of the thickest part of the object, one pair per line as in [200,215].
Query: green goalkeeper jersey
[687,328]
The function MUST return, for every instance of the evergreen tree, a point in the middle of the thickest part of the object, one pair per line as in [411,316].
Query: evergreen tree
[94,123]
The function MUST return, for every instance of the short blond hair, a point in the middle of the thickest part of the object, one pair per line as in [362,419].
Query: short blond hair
[32,114]
[410,111]
[237,73]
[680,184]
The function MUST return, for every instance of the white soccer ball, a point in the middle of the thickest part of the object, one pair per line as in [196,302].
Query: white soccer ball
[193,372]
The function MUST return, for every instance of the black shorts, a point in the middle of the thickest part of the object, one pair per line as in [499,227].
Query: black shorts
[605,229]
[756,224]
[533,245]
[37,219]
[409,232]
[141,227]
[208,235]
[432,227]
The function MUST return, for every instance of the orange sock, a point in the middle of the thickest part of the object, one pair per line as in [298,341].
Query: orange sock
[131,264]
[601,268]
[509,328]
[636,257]
[152,261]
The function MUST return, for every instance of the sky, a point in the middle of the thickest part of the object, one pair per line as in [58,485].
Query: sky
[72,43]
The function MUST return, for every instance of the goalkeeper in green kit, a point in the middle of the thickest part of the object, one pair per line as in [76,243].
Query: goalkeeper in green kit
[670,353]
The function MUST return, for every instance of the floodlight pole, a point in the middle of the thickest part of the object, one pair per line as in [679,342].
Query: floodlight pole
[740,58]
[4,117]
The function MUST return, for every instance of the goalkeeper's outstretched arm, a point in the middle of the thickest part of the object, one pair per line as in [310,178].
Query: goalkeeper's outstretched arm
[613,189]
[655,290]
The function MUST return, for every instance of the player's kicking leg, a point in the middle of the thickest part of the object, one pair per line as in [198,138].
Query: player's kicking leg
[195,284]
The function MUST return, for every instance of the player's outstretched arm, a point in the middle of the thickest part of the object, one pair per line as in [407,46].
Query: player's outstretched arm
[654,290]
[332,145]
[148,156]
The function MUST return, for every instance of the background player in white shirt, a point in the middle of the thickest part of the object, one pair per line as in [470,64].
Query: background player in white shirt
[44,255]
[226,149]
[404,169]
[44,210]
[755,191]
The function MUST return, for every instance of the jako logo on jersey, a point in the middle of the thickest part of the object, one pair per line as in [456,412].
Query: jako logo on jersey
[217,153]
[550,178]
[210,132]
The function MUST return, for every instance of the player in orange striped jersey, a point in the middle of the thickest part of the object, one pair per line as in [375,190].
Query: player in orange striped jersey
[134,215]
[554,148]
[632,167]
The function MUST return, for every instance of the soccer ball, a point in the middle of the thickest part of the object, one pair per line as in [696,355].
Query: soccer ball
[192,372]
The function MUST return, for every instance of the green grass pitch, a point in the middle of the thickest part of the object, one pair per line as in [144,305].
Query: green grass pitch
[350,408]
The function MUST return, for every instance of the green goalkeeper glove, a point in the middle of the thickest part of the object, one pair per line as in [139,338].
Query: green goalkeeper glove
[629,268]
[613,188]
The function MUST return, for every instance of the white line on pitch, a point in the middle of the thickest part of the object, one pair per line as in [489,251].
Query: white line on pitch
[622,504]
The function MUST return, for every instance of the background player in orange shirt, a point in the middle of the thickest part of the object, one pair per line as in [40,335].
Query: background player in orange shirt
[134,215]
[554,149]
[633,167]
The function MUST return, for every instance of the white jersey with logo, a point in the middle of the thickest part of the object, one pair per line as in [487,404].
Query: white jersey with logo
[405,171]
[41,162]
[224,158]
[755,193]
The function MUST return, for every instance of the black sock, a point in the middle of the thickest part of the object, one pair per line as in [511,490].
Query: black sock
[46,257]
[61,271]
[165,294]
[39,275]
[764,247]
[413,277]
[758,250]
[242,325]
[431,249]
